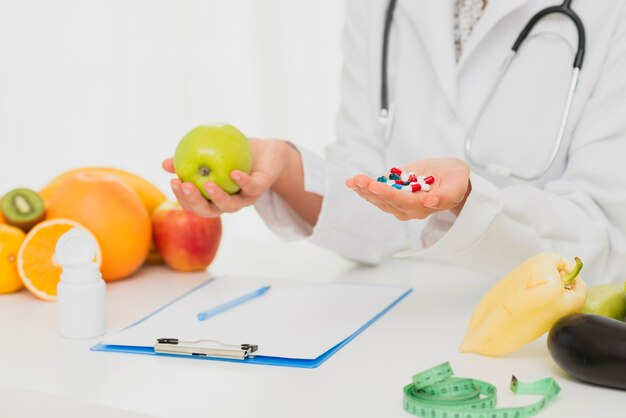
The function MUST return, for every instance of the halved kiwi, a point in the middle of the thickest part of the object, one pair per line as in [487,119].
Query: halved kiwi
[23,208]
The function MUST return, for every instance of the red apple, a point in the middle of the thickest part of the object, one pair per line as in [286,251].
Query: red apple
[187,241]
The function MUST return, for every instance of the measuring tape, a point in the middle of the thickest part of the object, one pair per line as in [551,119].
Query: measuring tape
[434,393]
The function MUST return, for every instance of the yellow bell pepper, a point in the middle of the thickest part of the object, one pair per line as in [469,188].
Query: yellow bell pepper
[525,304]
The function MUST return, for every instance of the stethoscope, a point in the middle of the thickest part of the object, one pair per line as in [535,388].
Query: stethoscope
[386,115]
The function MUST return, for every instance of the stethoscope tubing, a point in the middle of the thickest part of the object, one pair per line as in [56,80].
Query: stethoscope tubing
[566,9]
[386,109]
[384,93]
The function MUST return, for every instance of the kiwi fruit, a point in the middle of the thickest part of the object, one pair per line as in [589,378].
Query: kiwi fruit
[23,208]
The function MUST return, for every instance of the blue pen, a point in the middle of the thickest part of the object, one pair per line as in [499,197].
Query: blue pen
[228,305]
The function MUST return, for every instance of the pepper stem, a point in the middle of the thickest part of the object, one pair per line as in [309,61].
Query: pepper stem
[568,280]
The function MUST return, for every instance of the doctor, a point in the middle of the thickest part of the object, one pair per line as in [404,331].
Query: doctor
[521,168]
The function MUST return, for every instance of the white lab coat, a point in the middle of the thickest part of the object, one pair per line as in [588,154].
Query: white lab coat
[577,209]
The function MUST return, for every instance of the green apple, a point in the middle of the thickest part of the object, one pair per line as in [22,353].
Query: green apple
[606,300]
[211,153]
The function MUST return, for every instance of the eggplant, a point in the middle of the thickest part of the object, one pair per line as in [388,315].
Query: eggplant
[591,348]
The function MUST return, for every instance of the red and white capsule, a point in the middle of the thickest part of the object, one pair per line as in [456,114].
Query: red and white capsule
[416,187]
[422,184]
[409,181]
[428,180]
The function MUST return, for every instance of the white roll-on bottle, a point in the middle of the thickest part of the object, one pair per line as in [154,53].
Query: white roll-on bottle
[81,293]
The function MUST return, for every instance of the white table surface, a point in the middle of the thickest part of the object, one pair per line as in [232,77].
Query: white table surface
[42,374]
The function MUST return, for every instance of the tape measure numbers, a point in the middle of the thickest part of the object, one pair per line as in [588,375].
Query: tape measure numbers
[435,393]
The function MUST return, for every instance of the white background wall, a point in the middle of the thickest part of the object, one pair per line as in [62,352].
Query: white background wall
[119,82]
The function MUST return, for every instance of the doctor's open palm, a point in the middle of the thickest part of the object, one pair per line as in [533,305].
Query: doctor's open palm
[448,192]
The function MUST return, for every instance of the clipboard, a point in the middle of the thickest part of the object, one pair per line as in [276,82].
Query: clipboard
[293,324]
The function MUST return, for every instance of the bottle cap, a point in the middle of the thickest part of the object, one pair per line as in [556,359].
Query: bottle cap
[77,246]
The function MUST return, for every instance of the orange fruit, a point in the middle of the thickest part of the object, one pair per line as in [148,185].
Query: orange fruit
[11,239]
[149,194]
[35,261]
[113,212]
[2,221]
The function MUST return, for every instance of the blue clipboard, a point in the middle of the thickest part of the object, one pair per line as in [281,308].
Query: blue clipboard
[258,359]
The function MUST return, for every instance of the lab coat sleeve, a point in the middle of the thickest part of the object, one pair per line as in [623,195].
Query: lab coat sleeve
[582,213]
[346,224]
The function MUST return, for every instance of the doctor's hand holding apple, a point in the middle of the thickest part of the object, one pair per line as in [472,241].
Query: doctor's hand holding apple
[219,170]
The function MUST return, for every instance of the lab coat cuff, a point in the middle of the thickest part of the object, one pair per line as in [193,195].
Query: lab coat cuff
[481,208]
[327,221]
[338,228]
[314,170]
[280,218]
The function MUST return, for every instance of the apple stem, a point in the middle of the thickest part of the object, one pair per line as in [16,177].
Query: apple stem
[204,171]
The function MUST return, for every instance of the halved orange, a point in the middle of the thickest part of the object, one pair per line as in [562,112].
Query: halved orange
[35,260]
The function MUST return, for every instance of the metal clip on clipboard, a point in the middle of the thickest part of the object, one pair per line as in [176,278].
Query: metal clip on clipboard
[204,348]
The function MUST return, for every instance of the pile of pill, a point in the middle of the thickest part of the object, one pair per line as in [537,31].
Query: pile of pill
[407,181]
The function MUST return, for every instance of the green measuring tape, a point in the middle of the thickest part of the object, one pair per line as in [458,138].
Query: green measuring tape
[434,393]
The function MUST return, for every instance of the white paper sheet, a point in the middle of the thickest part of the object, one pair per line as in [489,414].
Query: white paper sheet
[292,320]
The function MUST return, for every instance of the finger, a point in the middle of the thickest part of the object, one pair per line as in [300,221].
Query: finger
[362,180]
[446,196]
[381,204]
[222,200]
[168,165]
[400,200]
[252,185]
[434,202]
[197,203]
[383,190]
[178,192]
